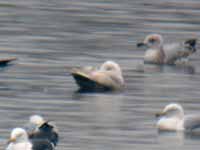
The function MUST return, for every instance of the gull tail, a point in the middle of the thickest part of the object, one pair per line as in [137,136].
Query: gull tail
[190,44]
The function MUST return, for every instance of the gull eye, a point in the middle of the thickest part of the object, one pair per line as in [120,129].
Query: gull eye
[109,68]
[152,40]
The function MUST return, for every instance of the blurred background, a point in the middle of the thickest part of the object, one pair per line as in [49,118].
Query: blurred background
[49,36]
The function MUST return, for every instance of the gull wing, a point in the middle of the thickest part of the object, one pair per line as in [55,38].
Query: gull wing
[87,81]
[191,122]
[175,51]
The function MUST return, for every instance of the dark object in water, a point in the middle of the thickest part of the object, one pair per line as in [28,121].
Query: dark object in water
[5,61]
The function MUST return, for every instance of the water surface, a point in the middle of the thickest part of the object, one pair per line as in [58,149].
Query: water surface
[48,37]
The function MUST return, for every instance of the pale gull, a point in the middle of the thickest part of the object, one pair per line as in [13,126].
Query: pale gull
[107,77]
[159,53]
[172,118]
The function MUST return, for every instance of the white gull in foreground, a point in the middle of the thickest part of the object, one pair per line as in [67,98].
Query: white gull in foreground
[19,141]
[172,118]
[107,77]
[159,53]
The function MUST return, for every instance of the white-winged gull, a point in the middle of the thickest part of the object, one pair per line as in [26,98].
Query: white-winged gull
[107,77]
[172,118]
[159,53]
[19,141]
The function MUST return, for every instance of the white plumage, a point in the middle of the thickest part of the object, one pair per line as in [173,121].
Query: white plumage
[172,118]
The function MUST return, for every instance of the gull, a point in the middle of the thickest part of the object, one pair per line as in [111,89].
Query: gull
[159,53]
[19,141]
[42,129]
[107,77]
[172,118]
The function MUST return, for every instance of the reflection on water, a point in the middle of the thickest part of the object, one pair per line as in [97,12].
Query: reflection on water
[48,37]
[151,68]
[177,139]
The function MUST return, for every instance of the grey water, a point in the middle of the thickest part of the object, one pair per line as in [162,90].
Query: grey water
[50,36]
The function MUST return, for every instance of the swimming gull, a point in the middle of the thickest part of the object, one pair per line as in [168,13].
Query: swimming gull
[19,141]
[172,118]
[107,77]
[43,129]
[159,53]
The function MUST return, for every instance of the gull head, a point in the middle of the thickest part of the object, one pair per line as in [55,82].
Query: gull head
[172,110]
[110,66]
[37,120]
[113,69]
[18,135]
[152,41]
